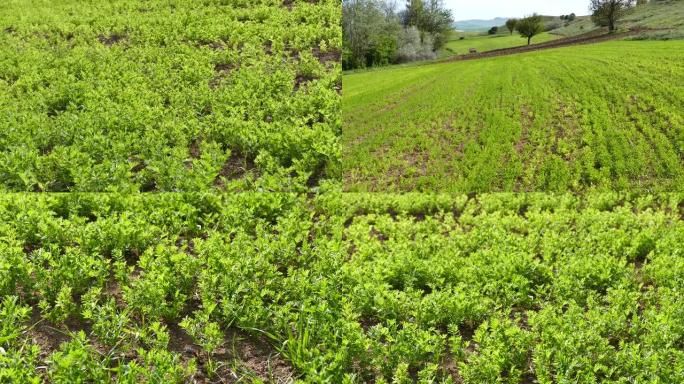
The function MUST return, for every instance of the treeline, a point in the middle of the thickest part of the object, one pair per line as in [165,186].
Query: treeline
[377,32]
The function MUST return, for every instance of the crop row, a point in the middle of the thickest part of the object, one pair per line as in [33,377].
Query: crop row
[342,288]
[575,118]
[169,95]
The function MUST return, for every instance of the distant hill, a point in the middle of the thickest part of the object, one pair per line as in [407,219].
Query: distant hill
[478,25]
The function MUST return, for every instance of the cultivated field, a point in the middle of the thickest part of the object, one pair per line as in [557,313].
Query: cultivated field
[594,117]
[169,95]
[488,43]
[351,288]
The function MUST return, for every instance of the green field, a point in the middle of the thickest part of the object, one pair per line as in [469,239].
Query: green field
[354,288]
[169,95]
[488,43]
[574,118]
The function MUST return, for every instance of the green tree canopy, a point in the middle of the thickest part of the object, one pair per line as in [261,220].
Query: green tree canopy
[530,26]
[510,24]
[606,13]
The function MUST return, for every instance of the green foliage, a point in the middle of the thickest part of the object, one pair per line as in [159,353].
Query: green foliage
[530,26]
[510,25]
[347,288]
[606,13]
[375,34]
[169,96]
[519,122]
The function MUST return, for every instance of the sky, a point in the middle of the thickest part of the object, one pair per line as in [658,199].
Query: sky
[489,9]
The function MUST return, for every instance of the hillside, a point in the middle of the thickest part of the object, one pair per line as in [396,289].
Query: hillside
[660,19]
[580,118]
[478,25]
[486,43]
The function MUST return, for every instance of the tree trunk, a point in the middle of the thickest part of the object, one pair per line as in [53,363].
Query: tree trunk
[529,38]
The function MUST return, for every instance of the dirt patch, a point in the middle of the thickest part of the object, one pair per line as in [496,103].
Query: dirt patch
[49,337]
[45,335]
[326,57]
[268,47]
[215,45]
[260,358]
[418,160]
[112,38]
[138,164]
[222,71]
[236,167]
[113,290]
[302,79]
[240,355]
[450,366]
[467,331]
[374,232]
[194,149]
[520,316]
[289,4]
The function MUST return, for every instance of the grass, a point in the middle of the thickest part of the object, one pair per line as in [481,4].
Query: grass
[168,95]
[574,118]
[491,42]
[341,288]
[665,18]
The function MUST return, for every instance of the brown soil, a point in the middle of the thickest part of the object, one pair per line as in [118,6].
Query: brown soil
[111,39]
[596,36]
[236,167]
[300,80]
[326,57]
[378,235]
[139,164]
[222,71]
[241,355]
[194,149]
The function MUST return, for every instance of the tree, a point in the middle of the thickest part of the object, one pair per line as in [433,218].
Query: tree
[606,13]
[493,30]
[374,33]
[370,33]
[431,18]
[530,26]
[510,24]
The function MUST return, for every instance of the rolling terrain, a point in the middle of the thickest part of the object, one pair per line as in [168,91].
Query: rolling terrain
[579,118]
[492,42]
[658,20]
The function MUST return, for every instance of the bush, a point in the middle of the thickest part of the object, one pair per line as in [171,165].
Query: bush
[412,49]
